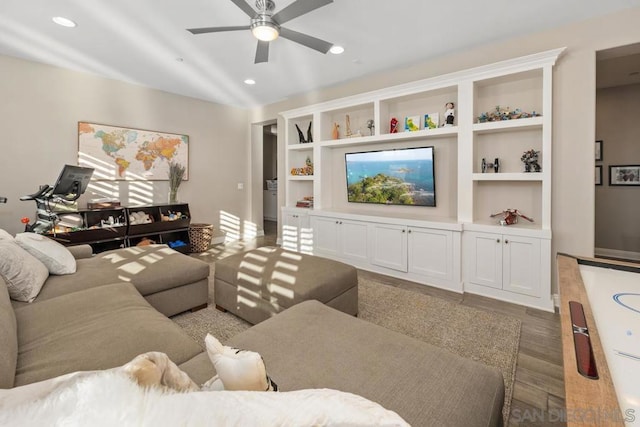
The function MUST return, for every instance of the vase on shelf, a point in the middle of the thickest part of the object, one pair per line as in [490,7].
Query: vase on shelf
[173,196]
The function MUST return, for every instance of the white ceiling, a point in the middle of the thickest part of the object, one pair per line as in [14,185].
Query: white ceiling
[138,41]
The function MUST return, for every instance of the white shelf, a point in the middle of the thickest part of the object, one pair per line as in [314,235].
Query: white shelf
[508,125]
[392,137]
[521,176]
[522,228]
[301,147]
[300,177]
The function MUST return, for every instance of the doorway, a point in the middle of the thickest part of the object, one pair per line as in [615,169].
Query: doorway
[617,154]
[270,179]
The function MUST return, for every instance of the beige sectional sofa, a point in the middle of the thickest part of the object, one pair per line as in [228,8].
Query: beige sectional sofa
[170,281]
[308,345]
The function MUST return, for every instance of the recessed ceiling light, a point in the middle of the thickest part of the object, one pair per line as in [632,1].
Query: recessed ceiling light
[336,50]
[250,82]
[65,22]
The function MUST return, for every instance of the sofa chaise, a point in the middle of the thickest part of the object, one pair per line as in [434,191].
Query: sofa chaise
[308,345]
[170,281]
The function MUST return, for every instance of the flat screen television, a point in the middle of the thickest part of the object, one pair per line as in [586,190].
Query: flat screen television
[403,176]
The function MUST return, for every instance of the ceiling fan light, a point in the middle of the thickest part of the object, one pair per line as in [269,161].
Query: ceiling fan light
[65,22]
[265,32]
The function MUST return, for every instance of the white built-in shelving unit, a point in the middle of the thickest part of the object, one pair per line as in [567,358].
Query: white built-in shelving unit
[455,245]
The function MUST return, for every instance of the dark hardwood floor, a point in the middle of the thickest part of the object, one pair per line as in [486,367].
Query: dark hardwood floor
[538,394]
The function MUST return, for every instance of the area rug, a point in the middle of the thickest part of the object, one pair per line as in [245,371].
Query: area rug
[486,337]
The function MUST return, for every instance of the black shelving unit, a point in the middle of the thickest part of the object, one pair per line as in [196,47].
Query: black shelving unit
[106,229]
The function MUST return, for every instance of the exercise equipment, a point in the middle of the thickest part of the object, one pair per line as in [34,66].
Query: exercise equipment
[70,185]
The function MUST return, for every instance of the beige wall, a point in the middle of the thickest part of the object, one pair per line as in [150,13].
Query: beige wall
[618,208]
[41,105]
[574,109]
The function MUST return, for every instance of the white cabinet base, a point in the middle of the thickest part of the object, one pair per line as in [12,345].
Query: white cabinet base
[424,252]
[508,267]
[545,303]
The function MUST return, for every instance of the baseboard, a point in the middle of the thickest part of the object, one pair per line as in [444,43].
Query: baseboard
[556,300]
[615,253]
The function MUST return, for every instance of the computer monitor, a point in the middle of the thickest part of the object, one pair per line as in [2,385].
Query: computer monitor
[72,182]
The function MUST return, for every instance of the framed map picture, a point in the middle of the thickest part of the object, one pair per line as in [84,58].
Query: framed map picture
[118,153]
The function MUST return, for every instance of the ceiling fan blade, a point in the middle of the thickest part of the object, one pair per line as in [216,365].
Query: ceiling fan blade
[262,52]
[306,40]
[216,29]
[245,7]
[298,8]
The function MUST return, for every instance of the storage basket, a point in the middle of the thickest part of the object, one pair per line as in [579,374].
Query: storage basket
[200,236]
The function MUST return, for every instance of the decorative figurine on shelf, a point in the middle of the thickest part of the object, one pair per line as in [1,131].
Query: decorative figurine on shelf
[309,137]
[370,126]
[335,134]
[449,114]
[510,216]
[411,123]
[347,131]
[300,135]
[393,126]
[495,165]
[530,160]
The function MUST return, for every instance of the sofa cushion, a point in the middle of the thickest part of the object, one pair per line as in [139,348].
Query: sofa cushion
[97,328]
[8,338]
[52,254]
[422,383]
[150,269]
[23,273]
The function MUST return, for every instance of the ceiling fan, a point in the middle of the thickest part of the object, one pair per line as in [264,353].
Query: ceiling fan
[266,26]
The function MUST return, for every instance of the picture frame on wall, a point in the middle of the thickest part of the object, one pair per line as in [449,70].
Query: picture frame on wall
[624,175]
[598,150]
[598,175]
[131,154]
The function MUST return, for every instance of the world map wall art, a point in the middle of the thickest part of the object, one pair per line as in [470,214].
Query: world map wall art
[118,153]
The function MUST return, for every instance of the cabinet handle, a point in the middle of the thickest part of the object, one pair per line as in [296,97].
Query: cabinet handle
[409,231]
[340,222]
[337,222]
[497,240]
[403,230]
[506,242]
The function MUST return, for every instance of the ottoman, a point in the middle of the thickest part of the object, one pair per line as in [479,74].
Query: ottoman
[258,284]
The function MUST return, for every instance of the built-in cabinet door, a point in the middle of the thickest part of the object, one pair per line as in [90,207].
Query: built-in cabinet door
[430,252]
[296,232]
[389,246]
[325,236]
[522,263]
[483,264]
[353,239]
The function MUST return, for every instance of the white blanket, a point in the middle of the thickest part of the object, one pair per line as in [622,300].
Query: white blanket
[110,398]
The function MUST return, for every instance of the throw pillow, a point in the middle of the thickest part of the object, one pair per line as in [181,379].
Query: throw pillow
[52,254]
[23,273]
[236,369]
[4,235]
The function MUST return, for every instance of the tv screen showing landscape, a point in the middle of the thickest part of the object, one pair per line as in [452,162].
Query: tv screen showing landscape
[392,177]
